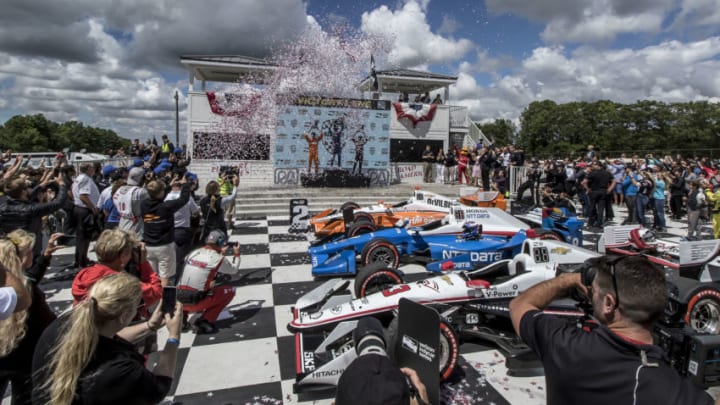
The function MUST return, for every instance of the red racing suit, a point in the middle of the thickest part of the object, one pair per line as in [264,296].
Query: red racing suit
[196,287]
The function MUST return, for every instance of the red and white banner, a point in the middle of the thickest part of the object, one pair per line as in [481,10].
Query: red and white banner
[230,104]
[415,112]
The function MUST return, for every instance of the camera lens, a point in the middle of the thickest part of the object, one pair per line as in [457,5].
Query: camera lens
[369,336]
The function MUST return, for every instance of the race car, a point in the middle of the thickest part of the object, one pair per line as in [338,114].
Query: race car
[421,208]
[566,224]
[324,318]
[475,197]
[692,266]
[458,234]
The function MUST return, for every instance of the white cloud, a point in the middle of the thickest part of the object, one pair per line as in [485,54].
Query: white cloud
[105,61]
[588,20]
[671,71]
[412,41]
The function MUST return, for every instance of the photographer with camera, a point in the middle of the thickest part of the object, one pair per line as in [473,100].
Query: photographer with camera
[372,378]
[197,289]
[612,360]
[119,251]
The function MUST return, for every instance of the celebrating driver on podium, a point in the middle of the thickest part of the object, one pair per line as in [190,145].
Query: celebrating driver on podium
[616,361]
[196,287]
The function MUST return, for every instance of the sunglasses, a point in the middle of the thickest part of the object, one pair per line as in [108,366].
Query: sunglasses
[589,272]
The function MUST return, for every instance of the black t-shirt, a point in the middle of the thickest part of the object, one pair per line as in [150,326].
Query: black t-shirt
[599,367]
[159,218]
[116,373]
[599,180]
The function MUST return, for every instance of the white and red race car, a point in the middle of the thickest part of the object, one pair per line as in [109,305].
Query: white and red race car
[323,319]
[692,266]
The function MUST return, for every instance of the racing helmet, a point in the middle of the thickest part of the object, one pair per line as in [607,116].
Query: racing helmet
[216,237]
[643,239]
[471,230]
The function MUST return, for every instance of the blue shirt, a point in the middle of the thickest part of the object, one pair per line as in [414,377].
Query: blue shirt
[659,192]
[628,187]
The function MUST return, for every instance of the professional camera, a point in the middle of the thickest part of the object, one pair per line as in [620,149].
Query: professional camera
[693,355]
[228,171]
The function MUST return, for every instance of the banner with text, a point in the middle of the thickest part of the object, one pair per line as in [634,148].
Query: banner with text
[333,133]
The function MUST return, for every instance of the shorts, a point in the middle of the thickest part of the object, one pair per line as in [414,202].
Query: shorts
[618,188]
[162,259]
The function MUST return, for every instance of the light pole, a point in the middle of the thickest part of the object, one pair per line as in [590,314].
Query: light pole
[177,121]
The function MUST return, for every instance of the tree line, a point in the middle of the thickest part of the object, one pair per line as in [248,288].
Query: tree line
[550,129]
[35,133]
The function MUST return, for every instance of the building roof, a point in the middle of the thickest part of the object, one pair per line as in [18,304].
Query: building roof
[231,68]
[227,68]
[407,81]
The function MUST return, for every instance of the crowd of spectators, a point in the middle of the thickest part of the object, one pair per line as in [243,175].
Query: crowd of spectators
[149,232]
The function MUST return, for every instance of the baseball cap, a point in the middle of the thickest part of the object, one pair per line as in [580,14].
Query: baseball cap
[135,176]
[108,169]
[191,176]
[372,379]
[138,162]
[177,150]
[216,237]
[159,169]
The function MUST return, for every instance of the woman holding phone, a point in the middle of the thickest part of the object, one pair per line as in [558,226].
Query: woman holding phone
[86,356]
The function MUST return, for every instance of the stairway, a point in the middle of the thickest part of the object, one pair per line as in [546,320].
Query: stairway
[276,201]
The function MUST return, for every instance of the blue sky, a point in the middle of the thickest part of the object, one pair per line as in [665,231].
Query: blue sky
[115,64]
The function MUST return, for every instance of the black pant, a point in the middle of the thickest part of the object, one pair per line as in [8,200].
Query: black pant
[21,387]
[676,203]
[597,207]
[527,185]
[485,175]
[630,202]
[183,245]
[82,238]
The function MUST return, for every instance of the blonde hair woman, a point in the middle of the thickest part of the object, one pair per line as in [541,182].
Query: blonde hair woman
[20,333]
[83,357]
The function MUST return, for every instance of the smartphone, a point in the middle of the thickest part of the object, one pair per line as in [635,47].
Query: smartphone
[65,239]
[232,244]
[169,296]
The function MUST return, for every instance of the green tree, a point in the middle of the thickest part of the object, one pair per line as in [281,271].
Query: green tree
[35,133]
[502,131]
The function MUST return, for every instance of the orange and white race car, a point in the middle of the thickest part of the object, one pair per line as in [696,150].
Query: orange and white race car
[475,197]
[421,208]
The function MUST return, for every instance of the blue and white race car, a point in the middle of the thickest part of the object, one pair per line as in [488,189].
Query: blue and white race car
[459,235]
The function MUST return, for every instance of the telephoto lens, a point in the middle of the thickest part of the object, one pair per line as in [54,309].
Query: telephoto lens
[369,337]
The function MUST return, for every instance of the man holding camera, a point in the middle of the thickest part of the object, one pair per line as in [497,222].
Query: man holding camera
[615,361]
[372,378]
[197,289]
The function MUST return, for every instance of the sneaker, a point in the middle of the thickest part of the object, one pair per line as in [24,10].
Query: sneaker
[203,327]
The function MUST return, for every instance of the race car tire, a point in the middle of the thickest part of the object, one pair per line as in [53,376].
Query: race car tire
[550,236]
[363,217]
[359,228]
[349,204]
[380,251]
[703,311]
[374,278]
[448,352]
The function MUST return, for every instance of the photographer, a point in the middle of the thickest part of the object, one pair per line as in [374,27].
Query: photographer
[372,378]
[119,251]
[616,361]
[212,207]
[197,289]
[18,211]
